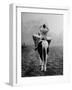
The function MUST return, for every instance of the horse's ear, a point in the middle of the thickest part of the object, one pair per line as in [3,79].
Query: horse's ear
[49,41]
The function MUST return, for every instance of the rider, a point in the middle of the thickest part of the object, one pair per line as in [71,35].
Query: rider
[43,33]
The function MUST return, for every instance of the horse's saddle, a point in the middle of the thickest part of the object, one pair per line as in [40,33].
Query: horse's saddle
[37,38]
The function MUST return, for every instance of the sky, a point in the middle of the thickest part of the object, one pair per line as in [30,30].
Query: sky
[30,23]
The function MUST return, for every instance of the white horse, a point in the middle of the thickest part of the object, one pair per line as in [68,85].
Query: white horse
[43,50]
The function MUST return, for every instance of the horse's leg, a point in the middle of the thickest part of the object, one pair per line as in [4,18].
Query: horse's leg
[45,64]
[42,66]
[40,60]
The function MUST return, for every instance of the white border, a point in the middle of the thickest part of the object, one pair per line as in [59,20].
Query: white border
[12,44]
[17,79]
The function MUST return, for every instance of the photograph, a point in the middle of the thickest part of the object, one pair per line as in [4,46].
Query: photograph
[41,44]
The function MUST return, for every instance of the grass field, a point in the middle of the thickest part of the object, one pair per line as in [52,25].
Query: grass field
[30,62]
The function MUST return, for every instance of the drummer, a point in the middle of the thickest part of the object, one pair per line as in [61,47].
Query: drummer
[43,32]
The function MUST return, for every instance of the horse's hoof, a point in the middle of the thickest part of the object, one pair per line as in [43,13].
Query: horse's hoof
[45,70]
[41,69]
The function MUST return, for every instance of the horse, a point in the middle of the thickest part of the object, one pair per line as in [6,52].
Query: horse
[43,50]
